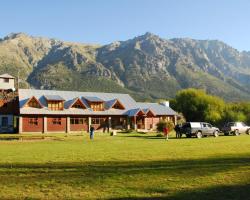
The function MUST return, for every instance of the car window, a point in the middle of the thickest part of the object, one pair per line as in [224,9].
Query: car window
[231,124]
[209,125]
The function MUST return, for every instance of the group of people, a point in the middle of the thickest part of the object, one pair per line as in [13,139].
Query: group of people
[177,129]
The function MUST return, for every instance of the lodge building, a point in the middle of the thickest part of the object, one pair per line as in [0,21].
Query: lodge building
[48,111]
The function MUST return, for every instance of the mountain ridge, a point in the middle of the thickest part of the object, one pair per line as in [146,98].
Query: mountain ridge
[147,66]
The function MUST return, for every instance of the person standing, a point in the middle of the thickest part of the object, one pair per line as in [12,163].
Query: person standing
[178,131]
[91,132]
[165,131]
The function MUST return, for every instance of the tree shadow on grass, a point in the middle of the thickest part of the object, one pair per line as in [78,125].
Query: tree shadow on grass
[81,174]
[191,167]
[223,192]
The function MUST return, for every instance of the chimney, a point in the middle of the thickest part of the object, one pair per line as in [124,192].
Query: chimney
[165,103]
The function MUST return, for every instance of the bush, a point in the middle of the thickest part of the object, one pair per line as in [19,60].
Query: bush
[162,123]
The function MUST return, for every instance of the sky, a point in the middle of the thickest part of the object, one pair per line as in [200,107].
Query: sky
[105,21]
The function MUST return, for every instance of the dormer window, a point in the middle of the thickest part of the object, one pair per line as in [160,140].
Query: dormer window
[95,103]
[33,103]
[77,103]
[118,105]
[55,105]
[55,102]
[97,106]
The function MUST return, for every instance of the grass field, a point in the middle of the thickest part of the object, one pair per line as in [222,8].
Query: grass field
[126,166]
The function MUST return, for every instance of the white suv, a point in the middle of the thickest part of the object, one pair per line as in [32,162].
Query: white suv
[236,128]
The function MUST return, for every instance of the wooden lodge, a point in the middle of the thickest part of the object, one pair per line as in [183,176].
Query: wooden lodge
[48,111]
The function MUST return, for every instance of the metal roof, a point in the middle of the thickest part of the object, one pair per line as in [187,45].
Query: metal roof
[70,96]
[93,99]
[158,109]
[6,76]
[54,98]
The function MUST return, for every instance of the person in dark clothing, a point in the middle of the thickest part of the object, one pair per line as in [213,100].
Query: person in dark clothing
[91,132]
[177,129]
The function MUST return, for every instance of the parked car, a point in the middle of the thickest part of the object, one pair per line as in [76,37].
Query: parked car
[199,129]
[235,128]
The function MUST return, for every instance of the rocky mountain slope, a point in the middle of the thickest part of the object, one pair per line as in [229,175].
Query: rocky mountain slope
[148,67]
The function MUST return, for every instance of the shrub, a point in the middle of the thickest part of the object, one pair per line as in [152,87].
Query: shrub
[162,123]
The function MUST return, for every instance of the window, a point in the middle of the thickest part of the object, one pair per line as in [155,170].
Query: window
[57,121]
[78,120]
[6,80]
[55,105]
[4,121]
[97,106]
[97,120]
[77,105]
[33,121]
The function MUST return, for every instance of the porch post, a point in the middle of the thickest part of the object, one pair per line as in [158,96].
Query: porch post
[109,124]
[45,124]
[89,122]
[152,118]
[175,119]
[135,125]
[20,128]
[128,123]
[145,124]
[68,125]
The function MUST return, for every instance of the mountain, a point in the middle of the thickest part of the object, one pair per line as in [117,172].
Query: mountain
[147,67]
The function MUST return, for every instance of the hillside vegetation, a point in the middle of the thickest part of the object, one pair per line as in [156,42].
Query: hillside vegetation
[196,105]
[147,65]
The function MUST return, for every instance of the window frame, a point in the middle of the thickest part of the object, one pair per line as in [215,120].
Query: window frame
[33,121]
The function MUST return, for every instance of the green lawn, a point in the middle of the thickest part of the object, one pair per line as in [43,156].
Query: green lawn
[126,166]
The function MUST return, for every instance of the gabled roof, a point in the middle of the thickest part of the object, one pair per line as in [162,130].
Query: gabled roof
[93,99]
[110,104]
[148,111]
[158,109]
[33,98]
[135,112]
[75,100]
[7,76]
[54,98]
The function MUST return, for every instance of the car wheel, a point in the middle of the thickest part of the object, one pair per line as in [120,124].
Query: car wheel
[248,131]
[226,134]
[199,135]
[216,134]
[236,132]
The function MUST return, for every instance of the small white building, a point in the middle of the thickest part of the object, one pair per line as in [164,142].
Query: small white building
[7,82]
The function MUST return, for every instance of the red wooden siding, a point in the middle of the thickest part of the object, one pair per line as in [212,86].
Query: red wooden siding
[151,122]
[56,127]
[32,127]
[78,127]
